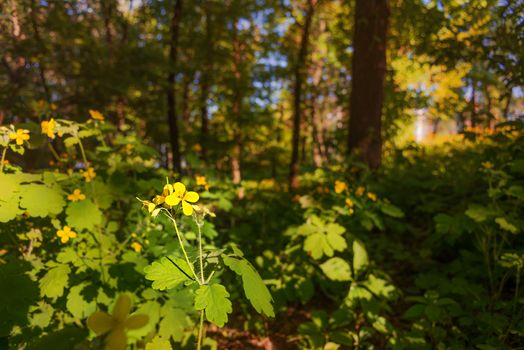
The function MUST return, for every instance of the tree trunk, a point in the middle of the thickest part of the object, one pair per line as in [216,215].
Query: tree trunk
[473,104]
[40,43]
[367,83]
[297,107]
[205,86]
[188,78]
[316,116]
[170,91]
[236,153]
[509,97]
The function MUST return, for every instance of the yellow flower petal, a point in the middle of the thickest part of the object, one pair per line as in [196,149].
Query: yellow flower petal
[100,322]
[173,199]
[191,197]
[122,308]
[168,189]
[179,187]
[64,239]
[187,208]
[136,321]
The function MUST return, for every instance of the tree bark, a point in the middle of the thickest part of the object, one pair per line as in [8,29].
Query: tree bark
[170,91]
[297,102]
[367,82]
[473,104]
[236,153]
[205,86]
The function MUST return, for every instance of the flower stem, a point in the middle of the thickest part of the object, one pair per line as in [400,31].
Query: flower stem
[201,330]
[184,249]
[200,253]
[82,151]
[3,159]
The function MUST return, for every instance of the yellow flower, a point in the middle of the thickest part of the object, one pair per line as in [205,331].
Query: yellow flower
[76,196]
[202,181]
[89,174]
[20,136]
[359,191]
[340,186]
[349,202]
[197,148]
[136,246]
[115,325]
[487,165]
[372,196]
[48,128]
[65,234]
[96,115]
[177,194]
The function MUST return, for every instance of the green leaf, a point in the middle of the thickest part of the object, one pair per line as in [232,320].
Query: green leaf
[40,200]
[173,324]
[159,343]
[77,305]
[414,312]
[506,225]
[254,287]
[43,316]
[337,269]
[83,215]
[18,293]
[433,312]
[360,256]
[165,275]
[214,299]
[478,212]
[65,339]
[54,281]
[9,210]
[391,210]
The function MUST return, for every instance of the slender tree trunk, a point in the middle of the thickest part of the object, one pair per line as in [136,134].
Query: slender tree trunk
[297,102]
[509,97]
[367,84]
[236,153]
[205,86]
[40,43]
[473,104]
[170,91]
[188,78]
[316,116]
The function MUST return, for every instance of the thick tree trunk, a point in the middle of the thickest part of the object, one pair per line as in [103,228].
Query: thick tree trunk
[297,102]
[170,91]
[367,83]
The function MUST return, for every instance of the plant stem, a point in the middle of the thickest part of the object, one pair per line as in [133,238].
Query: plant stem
[201,330]
[184,249]
[3,159]
[86,163]
[200,253]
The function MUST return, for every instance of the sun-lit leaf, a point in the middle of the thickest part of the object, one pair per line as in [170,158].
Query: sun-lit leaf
[83,215]
[254,287]
[336,269]
[166,275]
[54,281]
[214,299]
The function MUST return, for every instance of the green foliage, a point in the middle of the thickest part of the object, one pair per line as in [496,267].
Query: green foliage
[254,287]
[214,300]
[168,273]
